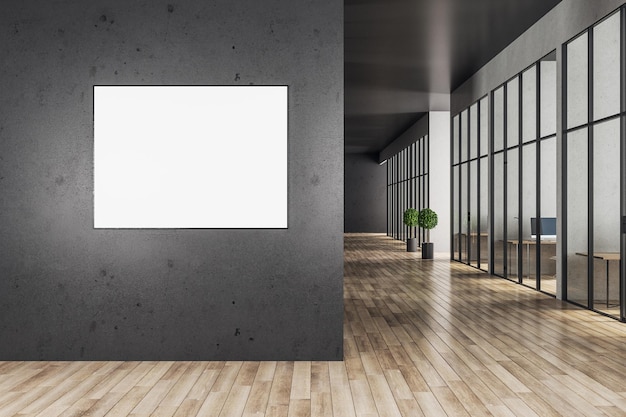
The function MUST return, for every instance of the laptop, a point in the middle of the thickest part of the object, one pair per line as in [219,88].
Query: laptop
[547,228]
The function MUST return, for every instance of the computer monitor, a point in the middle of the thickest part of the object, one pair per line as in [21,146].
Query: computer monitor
[547,228]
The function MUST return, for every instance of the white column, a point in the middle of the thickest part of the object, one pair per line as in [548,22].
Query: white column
[439,175]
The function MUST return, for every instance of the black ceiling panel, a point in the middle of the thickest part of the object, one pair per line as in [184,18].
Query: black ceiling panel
[404,57]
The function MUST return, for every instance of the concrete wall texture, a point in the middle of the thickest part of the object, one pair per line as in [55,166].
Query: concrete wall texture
[70,292]
[365,194]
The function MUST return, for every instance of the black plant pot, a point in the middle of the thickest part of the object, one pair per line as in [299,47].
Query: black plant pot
[411,245]
[427,250]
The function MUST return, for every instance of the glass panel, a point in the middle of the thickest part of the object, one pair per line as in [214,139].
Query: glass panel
[547,97]
[400,195]
[548,209]
[410,175]
[473,210]
[456,213]
[512,112]
[473,129]
[425,150]
[577,70]
[414,165]
[529,104]
[484,213]
[606,216]
[577,170]
[512,214]
[425,191]
[606,79]
[401,226]
[484,126]
[397,197]
[393,196]
[390,196]
[498,119]
[405,186]
[455,139]
[464,212]
[419,167]
[419,189]
[498,202]
[529,210]
[464,136]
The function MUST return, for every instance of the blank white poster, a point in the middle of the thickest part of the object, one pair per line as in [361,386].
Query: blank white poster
[190,156]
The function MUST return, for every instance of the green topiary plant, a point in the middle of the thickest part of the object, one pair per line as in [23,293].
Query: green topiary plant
[427,219]
[410,217]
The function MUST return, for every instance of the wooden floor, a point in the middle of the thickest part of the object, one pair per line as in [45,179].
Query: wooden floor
[422,338]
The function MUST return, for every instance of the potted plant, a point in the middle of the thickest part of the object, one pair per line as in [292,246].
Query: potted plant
[427,219]
[410,219]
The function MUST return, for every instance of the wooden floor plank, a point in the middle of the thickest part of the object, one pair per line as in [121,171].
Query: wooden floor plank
[321,404]
[256,403]
[205,383]
[341,394]
[299,408]
[68,397]
[383,396]
[362,398]
[280,392]
[129,401]
[183,386]
[301,382]
[104,404]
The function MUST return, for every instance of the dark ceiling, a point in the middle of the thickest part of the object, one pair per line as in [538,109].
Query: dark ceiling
[404,57]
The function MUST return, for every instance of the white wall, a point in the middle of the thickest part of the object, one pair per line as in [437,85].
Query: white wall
[439,174]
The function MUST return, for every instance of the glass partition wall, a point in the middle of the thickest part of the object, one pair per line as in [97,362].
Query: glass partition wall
[524,166]
[470,185]
[504,174]
[521,126]
[407,186]
[593,181]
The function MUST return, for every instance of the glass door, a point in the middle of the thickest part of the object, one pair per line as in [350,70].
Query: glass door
[470,185]
[548,190]
[594,110]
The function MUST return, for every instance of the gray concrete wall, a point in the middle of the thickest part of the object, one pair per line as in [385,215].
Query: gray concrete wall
[365,194]
[70,292]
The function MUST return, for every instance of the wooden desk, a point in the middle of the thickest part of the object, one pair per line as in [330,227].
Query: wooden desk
[527,242]
[608,257]
[464,242]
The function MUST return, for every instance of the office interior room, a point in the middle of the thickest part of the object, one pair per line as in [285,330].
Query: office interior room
[506,117]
